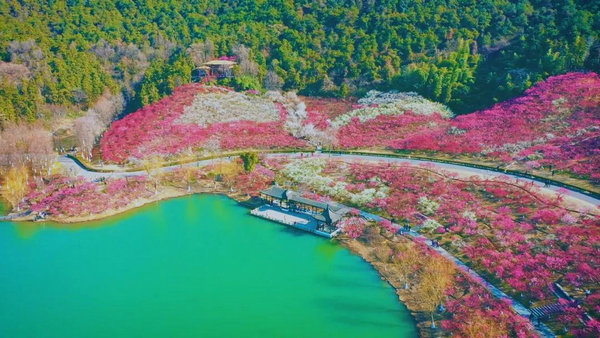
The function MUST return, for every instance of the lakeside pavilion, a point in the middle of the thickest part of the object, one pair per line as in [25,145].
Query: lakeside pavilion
[323,217]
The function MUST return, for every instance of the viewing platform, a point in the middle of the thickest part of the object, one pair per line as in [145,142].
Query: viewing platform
[289,208]
[296,220]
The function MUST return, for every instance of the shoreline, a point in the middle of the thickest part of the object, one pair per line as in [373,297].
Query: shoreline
[420,319]
[163,195]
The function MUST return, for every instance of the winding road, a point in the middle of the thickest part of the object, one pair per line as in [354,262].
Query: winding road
[76,168]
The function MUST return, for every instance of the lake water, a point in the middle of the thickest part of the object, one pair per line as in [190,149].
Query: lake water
[194,266]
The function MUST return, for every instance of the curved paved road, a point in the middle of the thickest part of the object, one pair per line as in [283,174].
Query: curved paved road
[75,168]
[480,172]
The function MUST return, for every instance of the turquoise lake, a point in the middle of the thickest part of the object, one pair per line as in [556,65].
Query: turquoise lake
[198,266]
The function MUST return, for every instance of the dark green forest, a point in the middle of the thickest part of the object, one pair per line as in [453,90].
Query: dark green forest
[465,53]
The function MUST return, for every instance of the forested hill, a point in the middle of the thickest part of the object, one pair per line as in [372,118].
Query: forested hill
[465,53]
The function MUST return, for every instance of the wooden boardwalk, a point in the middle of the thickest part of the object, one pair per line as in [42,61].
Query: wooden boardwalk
[296,220]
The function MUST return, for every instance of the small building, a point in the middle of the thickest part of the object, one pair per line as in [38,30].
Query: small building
[321,217]
[219,69]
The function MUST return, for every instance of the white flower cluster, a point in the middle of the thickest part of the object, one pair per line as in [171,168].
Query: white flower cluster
[430,224]
[392,104]
[455,131]
[469,215]
[427,206]
[296,116]
[308,171]
[230,106]
[377,97]
[519,146]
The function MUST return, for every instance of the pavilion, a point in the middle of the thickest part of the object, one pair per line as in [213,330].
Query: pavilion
[321,216]
[220,69]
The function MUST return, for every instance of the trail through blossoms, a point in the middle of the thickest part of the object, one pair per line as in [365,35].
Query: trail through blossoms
[520,239]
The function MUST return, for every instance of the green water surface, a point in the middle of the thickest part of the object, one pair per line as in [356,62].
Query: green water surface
[199,266]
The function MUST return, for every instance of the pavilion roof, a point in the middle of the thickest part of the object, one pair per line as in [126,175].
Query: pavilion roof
[276,192]
[220,63]
[332,212]
[292,196]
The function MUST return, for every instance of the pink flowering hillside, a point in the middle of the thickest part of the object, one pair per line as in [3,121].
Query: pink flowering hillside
[195,116]
[555,124]
[321,110]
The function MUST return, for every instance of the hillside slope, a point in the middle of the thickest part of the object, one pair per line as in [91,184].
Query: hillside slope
[555,124]
[201,118]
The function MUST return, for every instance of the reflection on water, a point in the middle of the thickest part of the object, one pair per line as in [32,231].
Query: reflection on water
[193,266]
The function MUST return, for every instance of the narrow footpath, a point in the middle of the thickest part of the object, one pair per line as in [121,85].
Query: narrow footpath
[519,308]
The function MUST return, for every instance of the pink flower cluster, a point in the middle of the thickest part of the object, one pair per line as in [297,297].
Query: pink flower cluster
[491,313]
[555,124]
[389,226]
[153,130]
[321,110]
[252,183]
[516,246]
[573,314]
[470,307]
[353,226]
[385,128]
[64,196]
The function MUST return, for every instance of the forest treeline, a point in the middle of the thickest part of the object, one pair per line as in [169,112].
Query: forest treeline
[465,53]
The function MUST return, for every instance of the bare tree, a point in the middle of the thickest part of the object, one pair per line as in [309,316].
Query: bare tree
[202,51]
[151,167]
[104,51]
[29,54]
[273,81]
[486,327]
[163,47]
[15,185]
[88,127]
[328,85]
[107,106]
[132,62]
[27,145]
[436,278]
[406,262]
[13,72]
[247,64]
[41,150]
[190,177]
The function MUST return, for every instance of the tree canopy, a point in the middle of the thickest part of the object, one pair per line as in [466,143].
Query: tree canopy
[447,50]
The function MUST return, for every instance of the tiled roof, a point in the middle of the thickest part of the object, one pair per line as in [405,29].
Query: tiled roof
[275,191]
[292,196]
[332,212]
